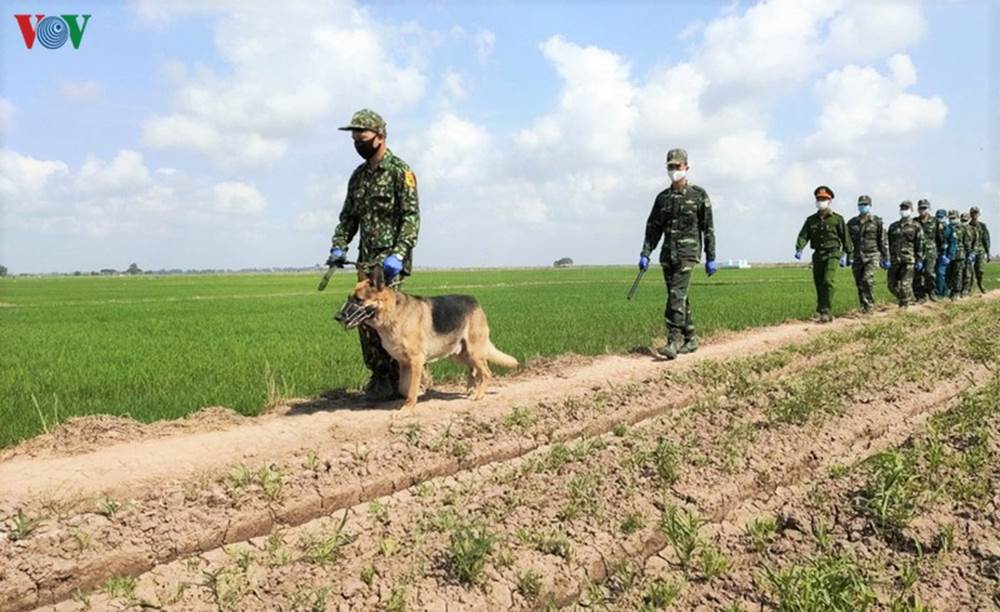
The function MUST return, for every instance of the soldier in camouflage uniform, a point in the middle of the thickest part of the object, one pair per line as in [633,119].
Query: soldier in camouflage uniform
[382,203]
[871,249]
[906,253]
[827,233]
[956,253]
[981,247]
[682,215]
[971,237]
[944,248]
[923,281]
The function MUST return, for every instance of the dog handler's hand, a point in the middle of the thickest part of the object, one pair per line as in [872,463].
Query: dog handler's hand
[337,257]
[392,266]
[643,262]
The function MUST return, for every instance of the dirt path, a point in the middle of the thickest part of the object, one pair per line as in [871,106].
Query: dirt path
[736,424]
[130,467]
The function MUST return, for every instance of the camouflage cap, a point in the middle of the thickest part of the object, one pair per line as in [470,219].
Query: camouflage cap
[905,204]
[974,210]
[941,213]
[863,199]
[953,214]
[923,204]
[677,156]
[366,119]
[964,216]
[823,191]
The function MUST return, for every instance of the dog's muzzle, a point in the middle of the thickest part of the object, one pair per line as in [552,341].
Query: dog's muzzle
[352,314]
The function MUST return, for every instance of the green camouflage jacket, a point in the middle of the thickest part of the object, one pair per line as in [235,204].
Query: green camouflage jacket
[933,235]
[982,244]
[828,237]
[868,237]
[381,202]
[906,242]
[684,219]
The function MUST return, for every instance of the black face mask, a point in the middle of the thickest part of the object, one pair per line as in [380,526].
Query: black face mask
[365,148]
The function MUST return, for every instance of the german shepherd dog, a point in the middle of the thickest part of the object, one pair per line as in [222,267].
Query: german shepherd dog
[418,330]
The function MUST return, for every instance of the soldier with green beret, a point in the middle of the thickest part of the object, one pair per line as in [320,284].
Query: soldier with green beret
[682,216]
[924,286]
[826,232]
[981,246]
[906,253]
[382,204]
[871,250]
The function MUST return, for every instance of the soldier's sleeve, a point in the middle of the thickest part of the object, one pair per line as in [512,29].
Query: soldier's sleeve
[845,237]
[803,238]
[409,223]
[883,241]
[348,224]
[986,237]
[918,243]
[949,233]
[654,229]
[707,227]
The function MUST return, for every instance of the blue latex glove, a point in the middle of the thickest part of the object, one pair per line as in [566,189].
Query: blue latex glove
[944,260]
[971,258]
[843,261]
[885,264]
[710,268]
[337,257]
[919,267]
[643,262]
[798,254]
[392,266]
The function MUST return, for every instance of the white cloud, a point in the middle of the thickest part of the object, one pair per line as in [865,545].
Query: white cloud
[865,31]
[861,104]
[454,85]
[23,180]
[285,79]
[485,42]
[453,150]
[237,197]
[80,90]
[125,172]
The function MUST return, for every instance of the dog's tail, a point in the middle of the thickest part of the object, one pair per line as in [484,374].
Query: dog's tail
[501,358]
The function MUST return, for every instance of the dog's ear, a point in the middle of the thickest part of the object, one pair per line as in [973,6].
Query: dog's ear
[377,278]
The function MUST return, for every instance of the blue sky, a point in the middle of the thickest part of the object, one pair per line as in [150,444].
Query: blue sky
[202,134]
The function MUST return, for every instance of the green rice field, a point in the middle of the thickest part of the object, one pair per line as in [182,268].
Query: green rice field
[161,347]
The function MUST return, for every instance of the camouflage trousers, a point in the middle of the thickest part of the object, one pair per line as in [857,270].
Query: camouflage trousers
[677,314]
[864,278]
[901,282]
[968,276]
[941,279]
[977,270]
[380,362]
[924,282]
[824,271]
[956,277]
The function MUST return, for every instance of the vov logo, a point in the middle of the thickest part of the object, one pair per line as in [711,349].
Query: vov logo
[52,32]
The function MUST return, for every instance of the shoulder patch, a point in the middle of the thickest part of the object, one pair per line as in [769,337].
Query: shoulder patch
[410,179]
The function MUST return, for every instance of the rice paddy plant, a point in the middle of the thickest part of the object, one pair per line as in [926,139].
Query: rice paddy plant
[822,584]
[137,345]
[470,546]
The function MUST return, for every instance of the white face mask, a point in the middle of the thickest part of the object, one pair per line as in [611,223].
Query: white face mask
[905,213]
[676,175]
[822,204]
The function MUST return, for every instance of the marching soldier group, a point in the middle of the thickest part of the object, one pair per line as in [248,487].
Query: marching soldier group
[927,257]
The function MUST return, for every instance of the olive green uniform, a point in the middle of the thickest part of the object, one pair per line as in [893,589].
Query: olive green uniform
[830,240]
